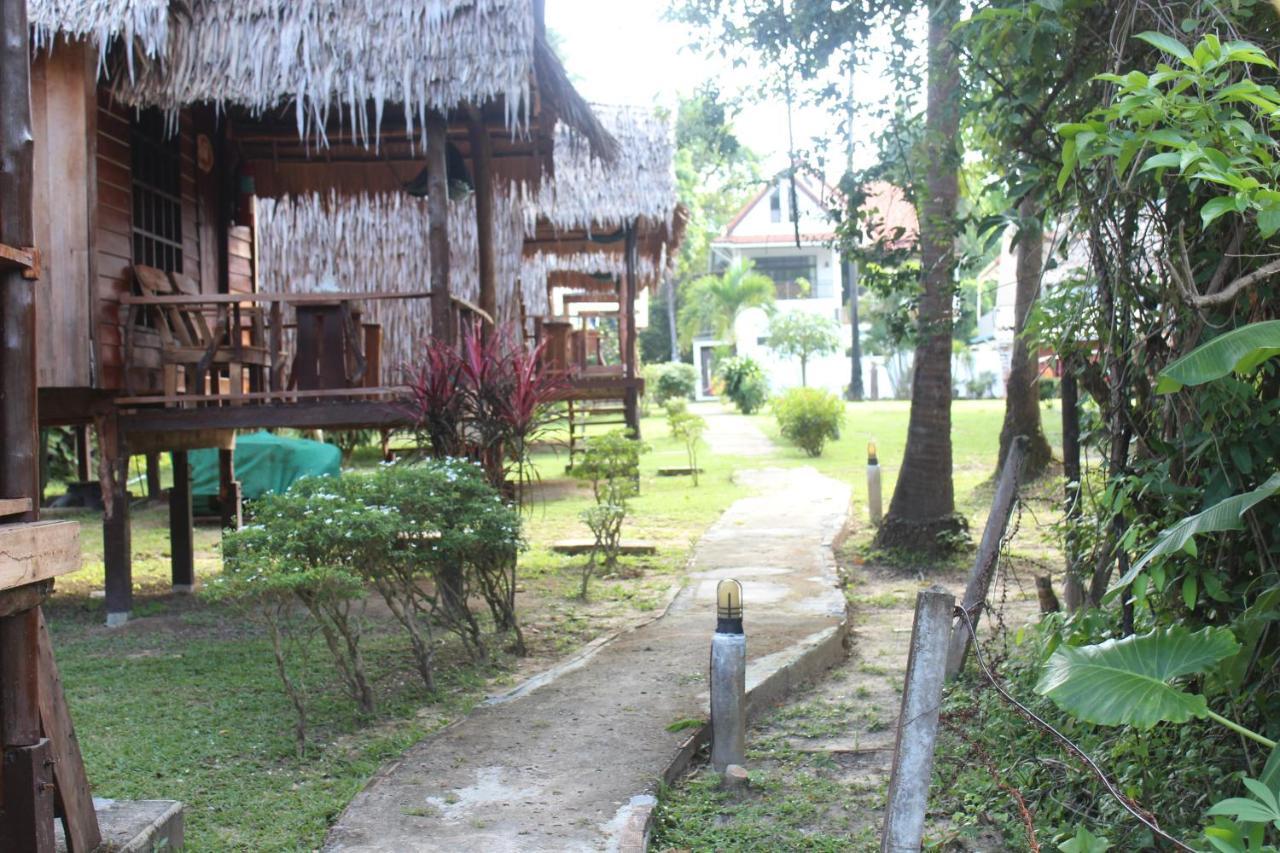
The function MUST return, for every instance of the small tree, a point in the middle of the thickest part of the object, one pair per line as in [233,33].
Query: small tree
[611,463]
[744,383]
[803,336]
[689,428]
[808,417]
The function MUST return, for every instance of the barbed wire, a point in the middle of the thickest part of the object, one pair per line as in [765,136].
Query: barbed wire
[1144,817]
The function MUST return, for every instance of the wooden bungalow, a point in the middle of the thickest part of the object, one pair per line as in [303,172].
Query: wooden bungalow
[170,133]
[604,232]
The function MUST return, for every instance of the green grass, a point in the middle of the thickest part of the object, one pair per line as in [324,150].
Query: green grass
[185,703]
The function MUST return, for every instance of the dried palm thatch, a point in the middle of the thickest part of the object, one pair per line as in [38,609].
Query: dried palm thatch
[536,268]
[141,24]
[640,184]
[368,244]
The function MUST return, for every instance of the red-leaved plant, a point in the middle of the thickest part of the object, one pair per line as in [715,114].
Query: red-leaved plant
[488,400]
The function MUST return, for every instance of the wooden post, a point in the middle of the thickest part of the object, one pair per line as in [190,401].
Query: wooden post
[482,166]
[181,535]
[627,331]
[918,723]
[1073,586]
[84,456]
[442,326]
[117,536]
[975,592]
[19,472]
[229,494]
[153,476]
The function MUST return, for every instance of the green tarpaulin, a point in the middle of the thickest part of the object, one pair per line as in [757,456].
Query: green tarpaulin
[266,463]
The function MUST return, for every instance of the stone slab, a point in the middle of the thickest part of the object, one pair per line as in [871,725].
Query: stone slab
[136,826]
[627,548]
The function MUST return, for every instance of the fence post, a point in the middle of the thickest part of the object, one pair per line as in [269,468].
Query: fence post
[918,723]
[975,592]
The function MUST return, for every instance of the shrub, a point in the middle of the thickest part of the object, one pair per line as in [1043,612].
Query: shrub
[744,383]
[428,537]
[672,380]
[689,429]
[611,463]
[808,417]
[675,408]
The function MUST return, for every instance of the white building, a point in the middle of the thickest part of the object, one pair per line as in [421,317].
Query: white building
[765,231]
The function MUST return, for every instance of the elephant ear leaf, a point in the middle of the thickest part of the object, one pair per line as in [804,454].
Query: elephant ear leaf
[1227,514]
[1239,351]
[1126,682]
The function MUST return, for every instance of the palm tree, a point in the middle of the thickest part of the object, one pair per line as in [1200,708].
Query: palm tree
[713,302]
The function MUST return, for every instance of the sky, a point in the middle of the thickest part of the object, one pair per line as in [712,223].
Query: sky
[623,52]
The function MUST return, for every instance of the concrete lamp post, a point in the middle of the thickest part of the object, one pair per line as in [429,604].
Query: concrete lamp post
[875,505]
[728,680]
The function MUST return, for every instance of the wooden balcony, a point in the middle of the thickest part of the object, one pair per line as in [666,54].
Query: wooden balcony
[235,361]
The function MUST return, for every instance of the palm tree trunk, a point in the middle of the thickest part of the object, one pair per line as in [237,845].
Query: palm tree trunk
[1022,391]
[923,504]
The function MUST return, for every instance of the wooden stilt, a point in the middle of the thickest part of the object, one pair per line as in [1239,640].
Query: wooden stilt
[181,535]
[27,822]
[84,456]
[229,493]
[482,168]
[627,332]
[442,326]
[117,540]
[153,476]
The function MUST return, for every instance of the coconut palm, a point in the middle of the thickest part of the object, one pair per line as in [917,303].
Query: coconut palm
[712,303]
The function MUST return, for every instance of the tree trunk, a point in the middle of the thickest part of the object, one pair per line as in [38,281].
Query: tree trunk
[856,391]
[923,504]
[1073,586]
[804,372]
[671,317]
[1022,391]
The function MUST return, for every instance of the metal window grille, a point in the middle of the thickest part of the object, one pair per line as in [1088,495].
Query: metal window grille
[157,193]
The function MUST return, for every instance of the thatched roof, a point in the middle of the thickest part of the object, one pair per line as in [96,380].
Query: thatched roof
[379,244]
[537,268]
[140,23]
[323,59]
[639,184]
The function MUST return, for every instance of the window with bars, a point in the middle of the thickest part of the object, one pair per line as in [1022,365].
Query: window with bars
[157,193]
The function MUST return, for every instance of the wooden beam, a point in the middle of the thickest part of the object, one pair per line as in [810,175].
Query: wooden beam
[146,442]
[74,797]
[482,172]
[14,506]
[438,226]
[627,323]
[38,551]
[302,415]
[19,471]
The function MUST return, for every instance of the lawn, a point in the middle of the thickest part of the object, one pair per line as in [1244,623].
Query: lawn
[184,703]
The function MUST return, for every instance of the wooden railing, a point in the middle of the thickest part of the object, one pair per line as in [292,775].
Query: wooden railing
[238,348]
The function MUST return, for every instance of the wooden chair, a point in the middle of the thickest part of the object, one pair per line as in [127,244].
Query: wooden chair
[189,344]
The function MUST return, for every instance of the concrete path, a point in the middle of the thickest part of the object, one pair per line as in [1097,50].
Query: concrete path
[730,434]
[569,762]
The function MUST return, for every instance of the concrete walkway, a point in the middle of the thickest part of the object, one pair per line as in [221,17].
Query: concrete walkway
[569,763]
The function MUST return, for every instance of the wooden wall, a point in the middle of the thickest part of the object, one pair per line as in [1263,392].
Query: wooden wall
[64,118]
[114,236]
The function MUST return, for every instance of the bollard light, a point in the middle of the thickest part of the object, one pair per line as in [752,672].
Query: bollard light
[728,679]
[729,607]
[874,502]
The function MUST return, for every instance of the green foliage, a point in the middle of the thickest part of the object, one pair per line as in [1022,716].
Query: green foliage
[611,463]
[688,428]
[1239,351]
[808,417]
[1126,681]
[744,383]
[320,545]
[672,380]
[803,335]
[712,303]
[347,440]
[1085,841]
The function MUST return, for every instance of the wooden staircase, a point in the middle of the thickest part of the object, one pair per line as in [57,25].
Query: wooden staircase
[599,414]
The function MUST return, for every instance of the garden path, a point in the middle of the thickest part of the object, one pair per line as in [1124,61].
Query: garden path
[567,762]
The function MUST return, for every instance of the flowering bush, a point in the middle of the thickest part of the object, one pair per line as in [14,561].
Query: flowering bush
[428,537]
